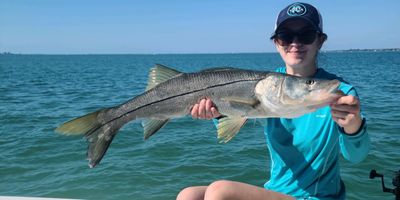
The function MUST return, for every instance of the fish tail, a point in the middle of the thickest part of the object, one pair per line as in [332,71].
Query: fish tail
[81,125]
[99,135]
[99,141]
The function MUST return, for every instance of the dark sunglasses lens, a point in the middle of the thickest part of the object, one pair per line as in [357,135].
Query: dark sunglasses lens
[307,37]
[284,38]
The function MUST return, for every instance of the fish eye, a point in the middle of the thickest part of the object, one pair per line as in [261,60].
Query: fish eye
[310,82]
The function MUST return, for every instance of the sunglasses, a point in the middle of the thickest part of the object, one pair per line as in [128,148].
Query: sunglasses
[284,38]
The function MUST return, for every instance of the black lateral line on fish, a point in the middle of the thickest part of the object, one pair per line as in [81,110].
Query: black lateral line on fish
[213,86]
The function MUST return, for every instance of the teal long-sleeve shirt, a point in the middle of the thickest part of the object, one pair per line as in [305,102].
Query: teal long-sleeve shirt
[305,151]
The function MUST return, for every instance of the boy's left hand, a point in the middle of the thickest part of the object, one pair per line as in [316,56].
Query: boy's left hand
[346,113]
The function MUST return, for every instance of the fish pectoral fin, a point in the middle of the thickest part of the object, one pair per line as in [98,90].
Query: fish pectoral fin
[228,127]
[160,73]
[252,102]
[243,104]
[151,126]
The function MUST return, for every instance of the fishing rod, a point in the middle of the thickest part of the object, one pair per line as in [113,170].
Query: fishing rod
[396,182]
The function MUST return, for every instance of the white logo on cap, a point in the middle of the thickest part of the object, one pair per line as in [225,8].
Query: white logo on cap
[296,10]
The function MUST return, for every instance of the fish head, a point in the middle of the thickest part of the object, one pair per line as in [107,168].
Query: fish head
[292,96]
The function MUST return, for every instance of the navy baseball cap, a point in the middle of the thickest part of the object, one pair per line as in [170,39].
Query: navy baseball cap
[299,10]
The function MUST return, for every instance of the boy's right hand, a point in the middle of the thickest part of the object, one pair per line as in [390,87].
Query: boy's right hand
[205,109]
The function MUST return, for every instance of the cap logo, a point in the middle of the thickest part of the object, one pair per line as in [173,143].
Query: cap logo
[296,10]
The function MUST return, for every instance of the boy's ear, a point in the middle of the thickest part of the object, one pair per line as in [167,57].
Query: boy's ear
[276,44]
[322,39]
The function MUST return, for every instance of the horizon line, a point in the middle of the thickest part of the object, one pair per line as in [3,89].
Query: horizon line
[198,53]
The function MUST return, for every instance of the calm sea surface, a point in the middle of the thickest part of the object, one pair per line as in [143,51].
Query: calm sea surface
[39,92]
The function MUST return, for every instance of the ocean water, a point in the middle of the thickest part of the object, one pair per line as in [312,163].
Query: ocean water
[39,92]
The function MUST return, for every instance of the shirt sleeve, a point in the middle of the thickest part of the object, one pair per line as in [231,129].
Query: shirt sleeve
[215,121]
[355,147]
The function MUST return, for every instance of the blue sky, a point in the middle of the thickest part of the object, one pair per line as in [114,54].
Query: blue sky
[183,26]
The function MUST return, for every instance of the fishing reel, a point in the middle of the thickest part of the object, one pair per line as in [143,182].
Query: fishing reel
[395,182]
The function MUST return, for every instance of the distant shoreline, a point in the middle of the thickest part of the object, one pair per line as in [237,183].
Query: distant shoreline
[367,50]
[346,50]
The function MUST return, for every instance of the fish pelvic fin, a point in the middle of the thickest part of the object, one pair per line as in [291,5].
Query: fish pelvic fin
[160,73]
[151,126]
[228,127]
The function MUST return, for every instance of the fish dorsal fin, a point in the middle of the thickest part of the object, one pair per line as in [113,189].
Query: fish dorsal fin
[228,127]
[151,126]
[160,73]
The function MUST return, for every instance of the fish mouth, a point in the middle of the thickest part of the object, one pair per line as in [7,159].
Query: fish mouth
[334,92]
[331,95]
[335,87]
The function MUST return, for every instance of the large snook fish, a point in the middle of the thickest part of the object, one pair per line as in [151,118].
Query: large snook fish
[238,94]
